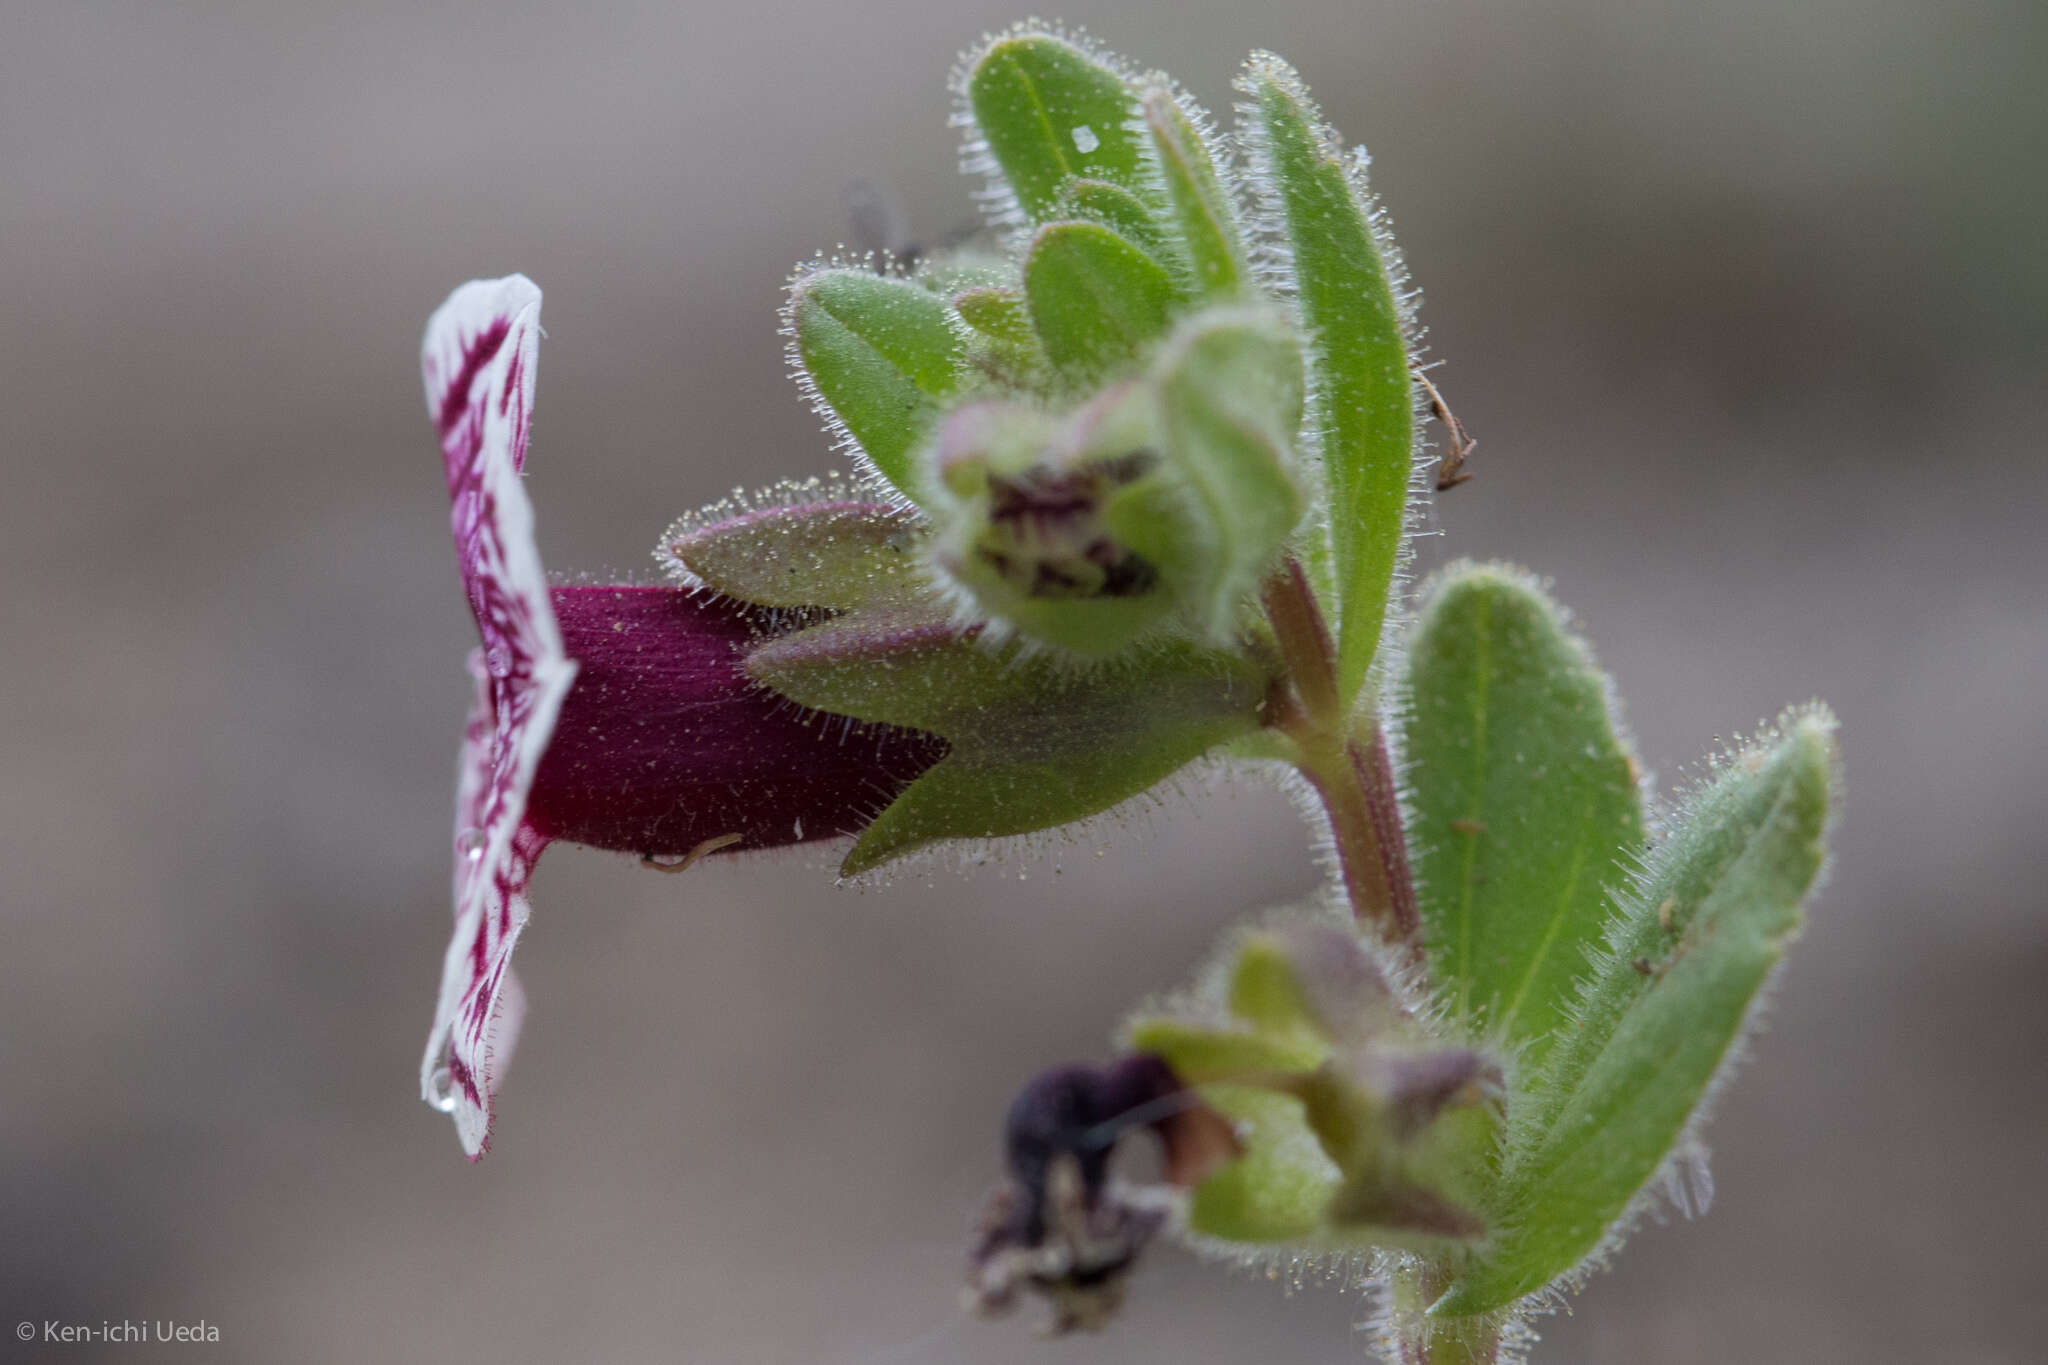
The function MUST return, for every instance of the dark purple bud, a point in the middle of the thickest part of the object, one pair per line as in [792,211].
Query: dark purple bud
[1062,1227]
[664,743]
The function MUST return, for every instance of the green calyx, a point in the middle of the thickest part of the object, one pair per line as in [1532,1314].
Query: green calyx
[1154,508]
[1359,1127]
[1053,527]
[837,555]
[1034,742]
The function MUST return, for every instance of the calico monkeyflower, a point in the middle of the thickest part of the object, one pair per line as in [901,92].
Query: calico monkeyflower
[616,716]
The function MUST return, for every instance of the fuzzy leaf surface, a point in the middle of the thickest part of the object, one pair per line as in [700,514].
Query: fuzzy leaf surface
[1524,802]
[1096,298]
[1034,743]
[1197,201]
[1002,345]
[997,313]
[882,352]
[1362,404]
[1712,916]
[1116,208]
[1050,113]
[839,555]
[1230,389]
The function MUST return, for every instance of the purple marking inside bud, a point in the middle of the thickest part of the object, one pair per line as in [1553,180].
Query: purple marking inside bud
[1046,533]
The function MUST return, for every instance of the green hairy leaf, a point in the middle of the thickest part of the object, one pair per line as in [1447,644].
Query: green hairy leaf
[1035,743]
[839,555]
[1048,113]
[1200,205]
[1116,208]
[1230,387]
[1523,802]
[1003,349]
[1096,298]
[1711,917]
[1362,404]
[997,313]
[881,352]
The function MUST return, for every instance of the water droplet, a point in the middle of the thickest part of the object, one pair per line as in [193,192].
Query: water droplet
[442,1083]
[799,828]
[470,843]
[1085,140]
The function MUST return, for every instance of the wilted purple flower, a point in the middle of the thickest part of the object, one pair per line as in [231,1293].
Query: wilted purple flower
[615,716]
[1061,1226]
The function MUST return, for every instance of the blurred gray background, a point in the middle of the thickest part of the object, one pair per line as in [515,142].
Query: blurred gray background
[1745,303]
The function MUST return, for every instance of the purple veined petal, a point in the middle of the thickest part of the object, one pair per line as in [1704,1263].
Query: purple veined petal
[481,1005]
[651,740]
[479,361]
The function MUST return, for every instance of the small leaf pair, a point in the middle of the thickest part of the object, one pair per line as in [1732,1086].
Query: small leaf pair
[1070,138]
[1621,974]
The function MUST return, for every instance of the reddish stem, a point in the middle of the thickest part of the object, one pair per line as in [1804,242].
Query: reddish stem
[1351,773]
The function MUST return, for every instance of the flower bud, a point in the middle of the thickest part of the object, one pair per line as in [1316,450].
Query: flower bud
[1050,527]
[1357,1118]
[1154,506]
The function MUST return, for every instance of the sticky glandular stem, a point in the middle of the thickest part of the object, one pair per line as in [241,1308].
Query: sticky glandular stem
[1344,756]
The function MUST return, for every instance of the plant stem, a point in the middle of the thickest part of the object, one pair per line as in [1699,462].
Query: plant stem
[1421,1340]
[1350,772]
[1430,1346]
